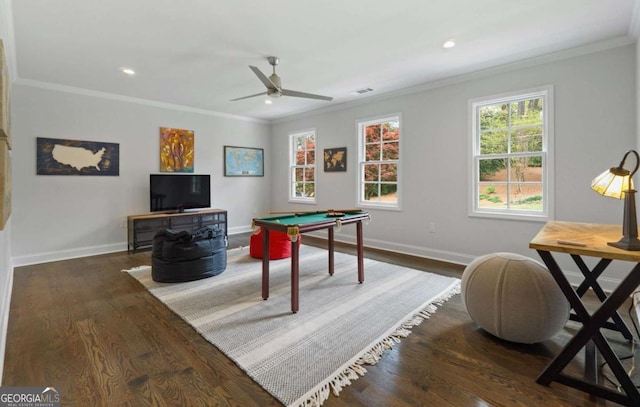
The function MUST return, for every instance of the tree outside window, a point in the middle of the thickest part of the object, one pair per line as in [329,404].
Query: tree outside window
[303,166]
[511,155]
[379,153]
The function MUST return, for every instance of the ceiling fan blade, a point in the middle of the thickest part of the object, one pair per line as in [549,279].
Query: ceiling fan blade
[287,92]
[250,96]
[263,78]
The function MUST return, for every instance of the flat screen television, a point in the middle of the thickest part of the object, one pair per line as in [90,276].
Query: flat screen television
[178,192]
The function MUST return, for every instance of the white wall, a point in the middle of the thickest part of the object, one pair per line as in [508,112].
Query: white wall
[57,217]
[6,265]
[595,108]
[637,94]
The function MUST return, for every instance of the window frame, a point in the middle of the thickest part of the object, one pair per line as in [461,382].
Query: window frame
[547,154]
[293,166]
[360,201]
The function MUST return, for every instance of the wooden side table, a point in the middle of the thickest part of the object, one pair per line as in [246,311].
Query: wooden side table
[588,239]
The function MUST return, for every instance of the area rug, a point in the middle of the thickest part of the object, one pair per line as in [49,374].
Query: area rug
[341,325]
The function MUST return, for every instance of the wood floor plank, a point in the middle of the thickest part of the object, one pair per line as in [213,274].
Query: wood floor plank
[99,337]
[112,369]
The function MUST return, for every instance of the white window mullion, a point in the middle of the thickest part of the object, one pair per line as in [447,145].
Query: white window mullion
[385,198]
[529,143]
[299,144]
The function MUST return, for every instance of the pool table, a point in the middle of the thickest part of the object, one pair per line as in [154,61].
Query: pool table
[295,224]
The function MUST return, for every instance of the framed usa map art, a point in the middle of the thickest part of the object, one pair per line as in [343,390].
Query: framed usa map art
[75,157]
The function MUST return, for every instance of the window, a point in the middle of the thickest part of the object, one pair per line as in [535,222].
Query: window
[512,155]
[303,167]
[379,162]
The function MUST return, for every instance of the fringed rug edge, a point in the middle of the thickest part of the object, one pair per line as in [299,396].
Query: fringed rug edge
[354,369]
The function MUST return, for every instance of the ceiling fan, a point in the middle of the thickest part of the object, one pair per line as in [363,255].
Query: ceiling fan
[274,86]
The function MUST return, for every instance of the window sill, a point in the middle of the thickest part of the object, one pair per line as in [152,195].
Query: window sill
[303,201]
[379,207]
[511,216]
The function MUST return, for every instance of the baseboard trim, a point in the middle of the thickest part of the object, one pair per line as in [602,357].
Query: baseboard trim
[6,305]
[68,254]
[238,229]
[47,257]
[575,278]
[410,250]
[425,252]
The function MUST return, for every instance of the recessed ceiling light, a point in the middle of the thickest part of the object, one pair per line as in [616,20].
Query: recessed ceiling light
[449,44]
[268,102]
[128,71]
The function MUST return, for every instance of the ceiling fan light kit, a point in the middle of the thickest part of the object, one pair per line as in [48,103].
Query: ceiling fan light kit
[274,85]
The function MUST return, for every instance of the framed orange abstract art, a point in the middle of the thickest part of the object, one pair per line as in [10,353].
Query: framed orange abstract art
[176,150]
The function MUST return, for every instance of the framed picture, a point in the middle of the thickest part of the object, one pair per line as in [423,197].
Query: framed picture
[243,162]
[5,183]
[76,157]
[335,159]
[5,116]
[177,150]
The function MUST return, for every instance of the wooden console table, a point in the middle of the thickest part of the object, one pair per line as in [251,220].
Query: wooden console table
[588,239]
[142,228]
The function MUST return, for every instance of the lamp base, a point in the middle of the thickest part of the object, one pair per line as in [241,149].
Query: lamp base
[626,243]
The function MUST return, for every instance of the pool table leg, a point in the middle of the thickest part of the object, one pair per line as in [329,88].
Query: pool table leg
[330,247]
[294,276]
[360,252]
[265,263]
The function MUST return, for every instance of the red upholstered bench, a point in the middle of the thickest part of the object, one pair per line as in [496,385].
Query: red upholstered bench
[279,245]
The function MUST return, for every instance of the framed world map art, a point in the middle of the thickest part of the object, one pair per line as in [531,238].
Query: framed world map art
[335,159]
[243,162]
[75,157]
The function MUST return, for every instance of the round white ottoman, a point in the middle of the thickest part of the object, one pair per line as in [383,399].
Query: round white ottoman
[514,298]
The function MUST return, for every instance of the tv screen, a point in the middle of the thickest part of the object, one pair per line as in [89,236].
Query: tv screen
[173,192]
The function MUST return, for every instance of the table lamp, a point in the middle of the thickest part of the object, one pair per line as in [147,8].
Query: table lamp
[617,183]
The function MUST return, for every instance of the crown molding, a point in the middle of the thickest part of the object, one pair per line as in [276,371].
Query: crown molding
[7,35]
[488,69]
[129,99]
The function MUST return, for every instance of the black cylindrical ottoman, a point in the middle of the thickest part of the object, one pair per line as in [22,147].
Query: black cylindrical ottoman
[181,256]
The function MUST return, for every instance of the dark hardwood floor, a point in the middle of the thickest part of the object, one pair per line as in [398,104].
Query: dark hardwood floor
[101,339]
